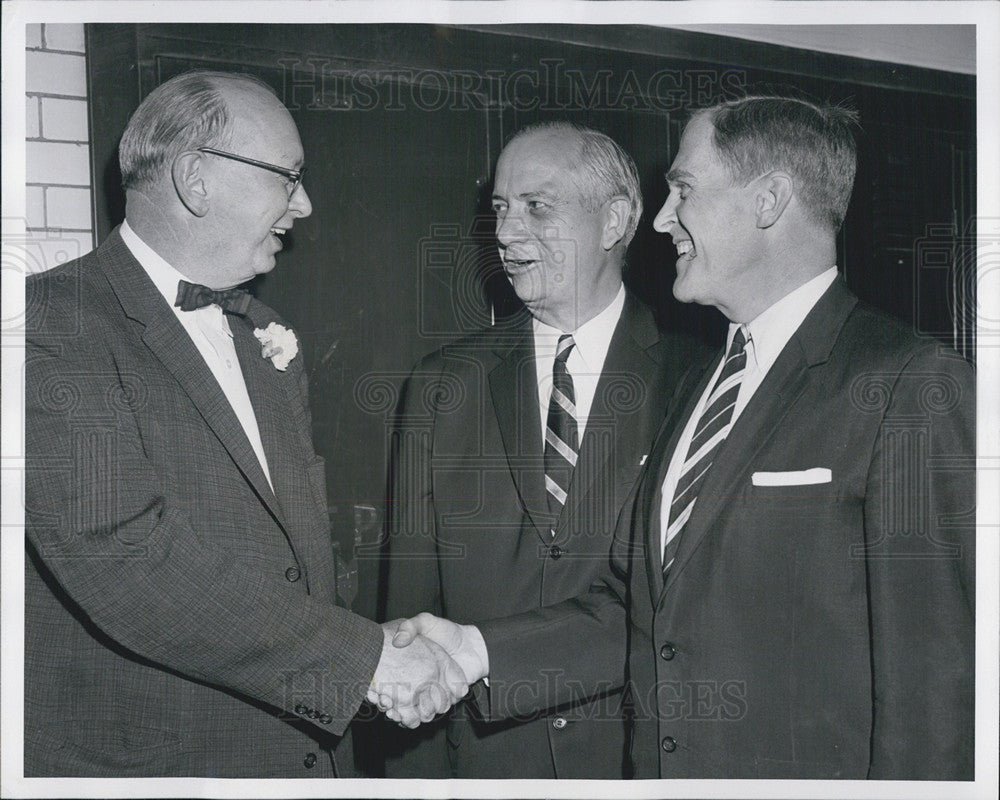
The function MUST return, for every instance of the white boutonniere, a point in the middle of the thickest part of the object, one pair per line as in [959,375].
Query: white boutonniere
[278,343]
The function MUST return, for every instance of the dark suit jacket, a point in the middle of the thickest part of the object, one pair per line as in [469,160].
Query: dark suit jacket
[180,615]
[824,630]
[471,540]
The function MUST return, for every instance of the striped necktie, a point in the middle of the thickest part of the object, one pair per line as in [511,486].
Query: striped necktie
[710,432]
[561,442]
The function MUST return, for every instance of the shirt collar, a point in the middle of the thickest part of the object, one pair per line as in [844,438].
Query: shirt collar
[769,332]
[164,276]
[594,336]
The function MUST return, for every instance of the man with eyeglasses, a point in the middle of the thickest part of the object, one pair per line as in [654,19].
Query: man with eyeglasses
[179,607]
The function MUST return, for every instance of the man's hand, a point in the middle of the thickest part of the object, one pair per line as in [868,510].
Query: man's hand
[464,643]
[413,683]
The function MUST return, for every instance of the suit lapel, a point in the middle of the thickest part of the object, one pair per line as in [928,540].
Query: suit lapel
[286,434]
[649,499]
[268,401]
[754,427]
[761,419]
[169,342]
[514,389]
[616,431]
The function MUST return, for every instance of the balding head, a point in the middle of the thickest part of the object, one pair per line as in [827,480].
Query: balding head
[602,168]
[184,113]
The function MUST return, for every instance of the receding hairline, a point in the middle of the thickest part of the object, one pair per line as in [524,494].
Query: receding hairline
[565,133]
[554,130]
[235,92]
[232,88]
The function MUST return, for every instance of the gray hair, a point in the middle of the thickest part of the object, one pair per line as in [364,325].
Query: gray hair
[813,143]
[184,113]
[605,168]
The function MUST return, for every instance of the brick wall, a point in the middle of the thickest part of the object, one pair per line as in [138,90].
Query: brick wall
[59,216]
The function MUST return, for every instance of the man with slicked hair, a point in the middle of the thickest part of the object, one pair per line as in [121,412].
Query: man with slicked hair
[516,449]
[802,543]
[180,616]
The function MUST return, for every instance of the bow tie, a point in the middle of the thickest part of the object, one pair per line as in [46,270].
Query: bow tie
[192,296]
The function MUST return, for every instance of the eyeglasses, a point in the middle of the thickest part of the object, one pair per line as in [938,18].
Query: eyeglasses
[293,176]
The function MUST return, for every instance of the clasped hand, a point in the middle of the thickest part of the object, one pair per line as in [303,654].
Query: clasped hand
[427,666]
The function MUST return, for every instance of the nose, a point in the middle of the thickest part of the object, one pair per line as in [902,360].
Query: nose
[666,217]
[299,203]
[510,228]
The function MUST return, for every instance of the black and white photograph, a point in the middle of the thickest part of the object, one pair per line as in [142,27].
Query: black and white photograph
[500,399]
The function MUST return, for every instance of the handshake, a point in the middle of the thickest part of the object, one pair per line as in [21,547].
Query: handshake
[427,665]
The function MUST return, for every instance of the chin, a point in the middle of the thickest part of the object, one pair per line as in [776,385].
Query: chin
[527,286]
[681,292]
[689,286]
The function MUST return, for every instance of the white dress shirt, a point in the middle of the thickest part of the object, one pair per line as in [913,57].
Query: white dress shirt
[210,332]
[766,337]
[584,364]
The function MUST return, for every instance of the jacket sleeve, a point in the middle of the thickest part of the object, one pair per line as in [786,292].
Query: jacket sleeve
[548,657]
[920,539]
[103,523]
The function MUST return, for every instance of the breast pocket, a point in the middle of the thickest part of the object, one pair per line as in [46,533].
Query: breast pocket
[813,531]
[800,500]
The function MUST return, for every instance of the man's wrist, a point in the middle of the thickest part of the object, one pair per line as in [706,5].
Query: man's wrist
[474,659]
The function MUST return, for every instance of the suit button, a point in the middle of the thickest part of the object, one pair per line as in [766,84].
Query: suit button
[556,552]
[559,723]
[667,652]
[669,744]
[292,574]
[309,761]
[326,719]
[301,709]
[312,713]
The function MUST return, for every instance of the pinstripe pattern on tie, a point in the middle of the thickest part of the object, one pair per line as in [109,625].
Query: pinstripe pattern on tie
[711,430]
[561,439]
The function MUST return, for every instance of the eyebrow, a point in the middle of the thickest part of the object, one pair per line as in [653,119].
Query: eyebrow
[674,174]
[544,193]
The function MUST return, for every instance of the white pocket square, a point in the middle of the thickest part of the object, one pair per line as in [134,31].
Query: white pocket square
[800,478]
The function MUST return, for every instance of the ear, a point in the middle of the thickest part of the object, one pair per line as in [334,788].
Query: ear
[616,214]
[773,195]
[189,183]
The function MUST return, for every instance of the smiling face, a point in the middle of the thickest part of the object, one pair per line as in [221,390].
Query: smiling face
[250,207]
[712,223]
[554,251]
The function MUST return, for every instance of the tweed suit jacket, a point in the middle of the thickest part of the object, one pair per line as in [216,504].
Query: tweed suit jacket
[471,539]
[180,616]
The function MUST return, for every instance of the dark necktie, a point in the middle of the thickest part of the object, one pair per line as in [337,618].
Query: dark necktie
[192,296]
[561,441]
[709,434]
